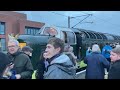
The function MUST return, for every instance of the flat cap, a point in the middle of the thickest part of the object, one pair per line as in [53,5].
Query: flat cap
[27,48]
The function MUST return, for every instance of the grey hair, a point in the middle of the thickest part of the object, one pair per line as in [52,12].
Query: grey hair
[116,50]
[68,48]
[96,48]
[15,41]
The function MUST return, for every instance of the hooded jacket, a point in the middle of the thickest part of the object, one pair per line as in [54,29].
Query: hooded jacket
[106,51]
[60,67]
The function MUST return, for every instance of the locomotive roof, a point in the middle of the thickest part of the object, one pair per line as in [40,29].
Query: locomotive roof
[42,39]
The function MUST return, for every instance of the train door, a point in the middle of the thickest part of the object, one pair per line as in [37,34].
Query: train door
[65,37]
[70,38]
[78,45]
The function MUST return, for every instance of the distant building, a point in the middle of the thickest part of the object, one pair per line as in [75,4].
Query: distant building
[16,23]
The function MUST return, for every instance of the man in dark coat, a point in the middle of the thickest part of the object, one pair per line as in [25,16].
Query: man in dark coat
[22,63]
[4,61]
[96,64]
[114,72]
[28,51]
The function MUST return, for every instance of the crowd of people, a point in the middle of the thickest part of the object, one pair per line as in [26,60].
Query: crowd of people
[101,61]
[59,62]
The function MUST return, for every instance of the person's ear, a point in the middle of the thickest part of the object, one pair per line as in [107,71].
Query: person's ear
[118,56]
[58,49]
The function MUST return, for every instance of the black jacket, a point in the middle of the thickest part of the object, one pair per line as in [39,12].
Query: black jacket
[114,72]
[22,64]
[40,69]
[4,61]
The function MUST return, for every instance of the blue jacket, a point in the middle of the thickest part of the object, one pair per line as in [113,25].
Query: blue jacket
[106,51]
[60,67]
[96,63]
[88,52]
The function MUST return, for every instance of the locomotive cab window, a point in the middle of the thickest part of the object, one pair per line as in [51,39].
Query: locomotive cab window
[50,31]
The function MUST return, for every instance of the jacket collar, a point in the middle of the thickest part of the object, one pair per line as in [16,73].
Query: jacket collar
[52,58]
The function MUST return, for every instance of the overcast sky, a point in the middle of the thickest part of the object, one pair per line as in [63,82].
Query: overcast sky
[103,21]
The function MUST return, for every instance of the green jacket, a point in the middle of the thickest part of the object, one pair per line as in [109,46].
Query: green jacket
[22,65]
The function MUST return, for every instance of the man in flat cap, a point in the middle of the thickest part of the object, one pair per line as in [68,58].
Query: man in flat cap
[27,50]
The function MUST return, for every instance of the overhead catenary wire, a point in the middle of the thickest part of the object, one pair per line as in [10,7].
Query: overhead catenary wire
[69,16]
[103,20]
[116,26]
[80,21]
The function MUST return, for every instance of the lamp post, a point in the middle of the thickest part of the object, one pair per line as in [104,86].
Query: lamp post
[69,21]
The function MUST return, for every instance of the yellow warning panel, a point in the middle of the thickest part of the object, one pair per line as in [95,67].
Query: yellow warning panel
[22,45]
